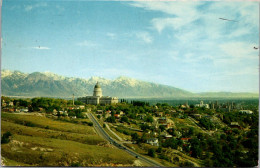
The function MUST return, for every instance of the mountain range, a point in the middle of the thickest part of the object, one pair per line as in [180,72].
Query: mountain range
[47,84]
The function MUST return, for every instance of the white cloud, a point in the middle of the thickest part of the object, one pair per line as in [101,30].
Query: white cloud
[239,50]
[182,13]
[28,8]
[111,35]
[87,44]
[145,36]
[41,48]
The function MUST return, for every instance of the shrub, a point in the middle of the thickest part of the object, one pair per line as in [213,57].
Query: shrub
[98,116]
[6,137]
[90,124]
[29,124]
[151,152]
[187,164]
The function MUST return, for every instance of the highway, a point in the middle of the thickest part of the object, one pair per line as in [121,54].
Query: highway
[107,137]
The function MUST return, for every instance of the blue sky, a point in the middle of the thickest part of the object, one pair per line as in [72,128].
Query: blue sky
[181,44]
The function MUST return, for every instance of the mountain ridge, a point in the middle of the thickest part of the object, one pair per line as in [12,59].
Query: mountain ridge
[48,84]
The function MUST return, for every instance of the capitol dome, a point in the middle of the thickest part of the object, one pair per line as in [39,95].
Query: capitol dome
[97,85]
[97,90]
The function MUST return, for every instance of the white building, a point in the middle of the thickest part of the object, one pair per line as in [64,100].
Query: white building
[153,141]
[98,98]
[202,105]
[246,111]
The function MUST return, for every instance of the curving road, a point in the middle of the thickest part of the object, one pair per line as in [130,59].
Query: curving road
[107,137]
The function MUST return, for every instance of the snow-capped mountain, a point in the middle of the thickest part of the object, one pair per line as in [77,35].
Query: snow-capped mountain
[15,83]
[47,84]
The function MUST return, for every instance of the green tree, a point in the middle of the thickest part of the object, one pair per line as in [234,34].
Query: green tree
[124,119]
[6,137]
[151,152]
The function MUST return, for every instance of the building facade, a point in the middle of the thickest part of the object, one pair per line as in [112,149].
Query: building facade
[98,98]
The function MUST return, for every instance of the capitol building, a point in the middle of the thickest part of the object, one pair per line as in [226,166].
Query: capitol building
[98,98]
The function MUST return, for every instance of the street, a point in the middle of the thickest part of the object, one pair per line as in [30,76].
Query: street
[107,137]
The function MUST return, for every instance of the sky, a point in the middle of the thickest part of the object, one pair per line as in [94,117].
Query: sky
[179,43]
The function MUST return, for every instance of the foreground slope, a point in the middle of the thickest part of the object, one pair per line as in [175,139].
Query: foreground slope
[40,141]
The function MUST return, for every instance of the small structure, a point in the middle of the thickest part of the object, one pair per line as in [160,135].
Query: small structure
[202,105]
[197,116]
[153,141]
[159,114]
[246,111]
[162,120]
[99,112]
[235,125]
[11,104]
[121,113]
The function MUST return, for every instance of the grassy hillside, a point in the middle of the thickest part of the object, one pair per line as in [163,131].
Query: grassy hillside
[60,144]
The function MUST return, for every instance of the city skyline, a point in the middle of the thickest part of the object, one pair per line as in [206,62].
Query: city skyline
[181,44]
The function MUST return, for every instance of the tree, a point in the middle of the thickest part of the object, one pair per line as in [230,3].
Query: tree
[135,137]
[6,137]
[124,119]
[98,116]
[111,119]
[162,127]
[144,127]
[159,150]
[149,119]
[172,142]
[151,152]
[191,131]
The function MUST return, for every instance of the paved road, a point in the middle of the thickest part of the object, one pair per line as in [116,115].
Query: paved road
[107,137]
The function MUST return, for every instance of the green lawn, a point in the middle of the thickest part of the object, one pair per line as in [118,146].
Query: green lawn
[44,122]
[61,144]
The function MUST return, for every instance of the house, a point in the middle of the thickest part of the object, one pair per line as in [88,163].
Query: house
[107,115]
[3,103]
[162,120]
[41,109]
[159,114]
[99,112]
[141,116]
[74,117]
[81,107]
[11,104]
[65,113]
[235,125]
[121,113]
[180,110]
[153,141]
[168,136]
[202,105]
[184,106]
[24,110]
[246,111]
[185,140]
[172,111]
[197,116]
[167,125]
[165,135]
[117,115]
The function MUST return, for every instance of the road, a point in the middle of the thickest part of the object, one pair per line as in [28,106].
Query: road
[107,137]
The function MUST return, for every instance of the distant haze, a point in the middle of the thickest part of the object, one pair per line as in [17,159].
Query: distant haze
[179,44]
[47,84]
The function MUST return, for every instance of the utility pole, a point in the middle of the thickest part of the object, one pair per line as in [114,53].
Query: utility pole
[73,100]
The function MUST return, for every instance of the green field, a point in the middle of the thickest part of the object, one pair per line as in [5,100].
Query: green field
[41,141]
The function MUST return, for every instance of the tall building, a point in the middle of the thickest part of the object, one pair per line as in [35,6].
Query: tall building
[98,98]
